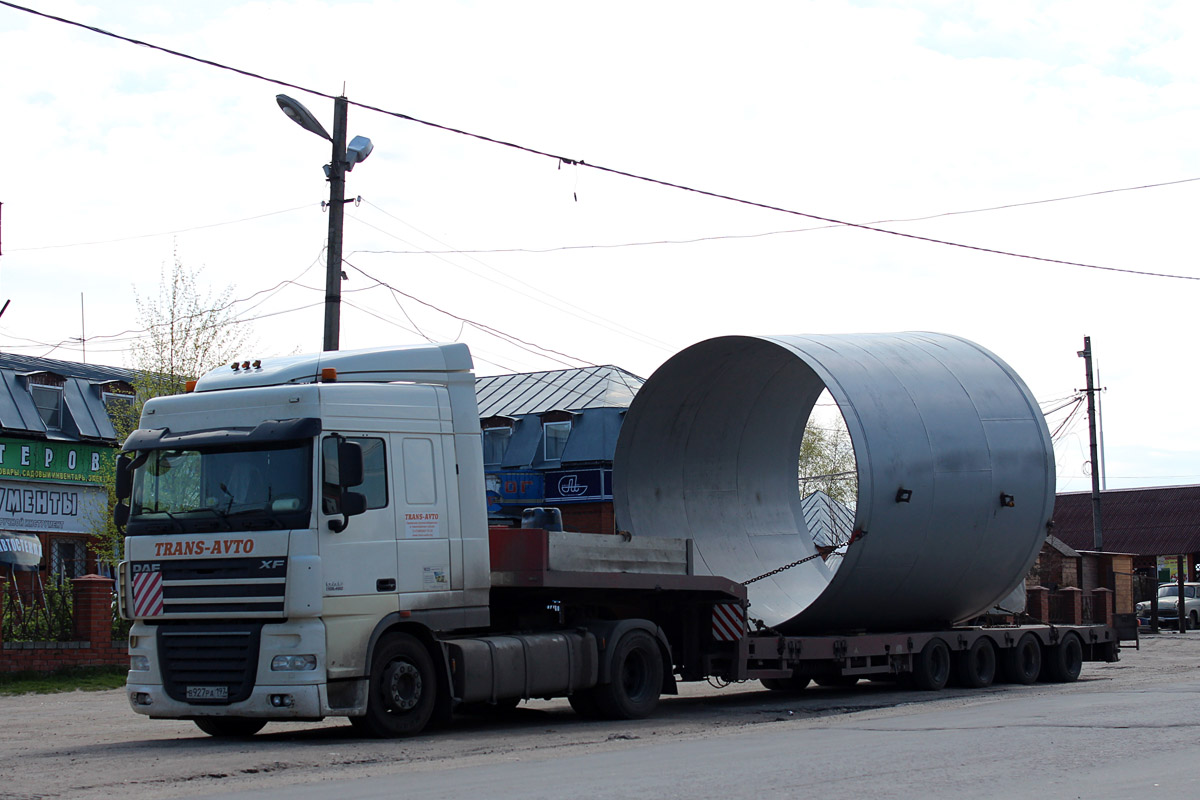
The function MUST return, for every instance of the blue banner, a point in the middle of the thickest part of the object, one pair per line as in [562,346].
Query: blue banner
[578,485]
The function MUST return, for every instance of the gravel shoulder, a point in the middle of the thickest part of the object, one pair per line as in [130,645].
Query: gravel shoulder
[91,745]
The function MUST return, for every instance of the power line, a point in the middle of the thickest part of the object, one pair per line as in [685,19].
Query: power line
[152,235]
[762,234]
[599,167]
[520,343]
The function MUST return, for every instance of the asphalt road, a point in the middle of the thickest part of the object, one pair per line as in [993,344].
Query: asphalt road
[1123,730]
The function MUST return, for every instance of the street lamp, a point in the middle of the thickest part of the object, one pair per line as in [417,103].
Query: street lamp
[343,160]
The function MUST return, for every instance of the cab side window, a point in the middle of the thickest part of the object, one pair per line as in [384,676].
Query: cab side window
[374,485]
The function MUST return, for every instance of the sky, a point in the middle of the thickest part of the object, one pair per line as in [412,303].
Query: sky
[121,158]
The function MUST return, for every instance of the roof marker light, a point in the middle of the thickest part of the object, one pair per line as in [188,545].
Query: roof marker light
[328,375]
[189,387]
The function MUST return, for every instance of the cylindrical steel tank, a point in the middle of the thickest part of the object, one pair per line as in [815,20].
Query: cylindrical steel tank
[955,474]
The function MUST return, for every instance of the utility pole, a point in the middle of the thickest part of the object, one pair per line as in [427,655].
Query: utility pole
[1097,531]
[337,207]
[343,160]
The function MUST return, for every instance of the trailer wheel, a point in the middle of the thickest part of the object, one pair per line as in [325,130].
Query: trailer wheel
[931,667]
[975,668]
[1064,661]
[637,673]
[1021,664]
[402,691]
[796,683]
[230,727]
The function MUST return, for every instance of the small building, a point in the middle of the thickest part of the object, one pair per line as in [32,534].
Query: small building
[549,440]
[56,440]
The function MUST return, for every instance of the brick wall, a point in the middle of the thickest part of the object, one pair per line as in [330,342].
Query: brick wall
[93,645]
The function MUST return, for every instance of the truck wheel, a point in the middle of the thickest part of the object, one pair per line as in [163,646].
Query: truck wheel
[230,727]
[637,673]
[402,690]
[796,683]
[975,668]
[931,667]
[1064,661]
[1021,664]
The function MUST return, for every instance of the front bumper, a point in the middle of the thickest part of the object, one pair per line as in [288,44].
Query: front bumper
[306,702]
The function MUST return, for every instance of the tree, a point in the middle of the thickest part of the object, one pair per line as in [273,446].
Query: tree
[827,462]
[188,331]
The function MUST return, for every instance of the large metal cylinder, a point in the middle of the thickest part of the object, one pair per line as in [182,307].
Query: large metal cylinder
[955,474]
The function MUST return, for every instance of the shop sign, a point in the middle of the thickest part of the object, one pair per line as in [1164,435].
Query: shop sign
[21,550]
[53,461]
[515,488]
[58,508]
[578,485]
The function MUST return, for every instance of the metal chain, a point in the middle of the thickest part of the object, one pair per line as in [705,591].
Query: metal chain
[778,570]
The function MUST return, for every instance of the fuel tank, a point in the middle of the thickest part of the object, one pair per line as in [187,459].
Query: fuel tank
[954,460]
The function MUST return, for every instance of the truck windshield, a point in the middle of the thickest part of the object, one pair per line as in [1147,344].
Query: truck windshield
[212,489]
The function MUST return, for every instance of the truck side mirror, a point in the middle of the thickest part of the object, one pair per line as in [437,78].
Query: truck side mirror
[120,515]
[350,464]
[124,478]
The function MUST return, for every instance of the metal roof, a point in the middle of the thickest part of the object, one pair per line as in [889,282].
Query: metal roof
[83,417]
[564,389]
[1157,521]
[95,373]
[829,522]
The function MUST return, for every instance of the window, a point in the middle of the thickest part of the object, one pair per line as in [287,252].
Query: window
[374,485]
[120,410]
[68,559]
[495,442]
[48,400]
[555,435]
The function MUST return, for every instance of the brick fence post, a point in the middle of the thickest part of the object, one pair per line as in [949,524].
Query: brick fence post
[93,609]
[1074,604]
[1102,606]
[1037,603]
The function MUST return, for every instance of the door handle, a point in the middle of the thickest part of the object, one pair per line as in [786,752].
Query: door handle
[385,585]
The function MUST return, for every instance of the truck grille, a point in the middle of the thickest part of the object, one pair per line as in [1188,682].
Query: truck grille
[217,662]
[227,586]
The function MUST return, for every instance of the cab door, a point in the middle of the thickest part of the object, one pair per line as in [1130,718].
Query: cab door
[422,535]
[361,559]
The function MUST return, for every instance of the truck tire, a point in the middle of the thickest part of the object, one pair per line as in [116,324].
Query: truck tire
[636,679]
[931,667]
[402,689]
[796,683]
[975,667]
[1064,661]
[230,727]
[1022,663]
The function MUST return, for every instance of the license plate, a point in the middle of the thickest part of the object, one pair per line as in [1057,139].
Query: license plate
[208,693]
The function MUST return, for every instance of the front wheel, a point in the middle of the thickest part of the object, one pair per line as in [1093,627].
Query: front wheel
[402,689]
[230,727]
[637,674]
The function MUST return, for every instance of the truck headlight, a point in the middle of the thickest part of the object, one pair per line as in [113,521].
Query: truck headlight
[293,663]
[139,664]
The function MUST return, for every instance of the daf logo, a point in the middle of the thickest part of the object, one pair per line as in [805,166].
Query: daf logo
[569,486]
[137,568]
[271,564]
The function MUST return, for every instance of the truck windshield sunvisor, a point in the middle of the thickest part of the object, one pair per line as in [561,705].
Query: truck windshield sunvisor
[273,430]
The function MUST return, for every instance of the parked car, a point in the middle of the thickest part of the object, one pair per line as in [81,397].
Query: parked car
[1168,606]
